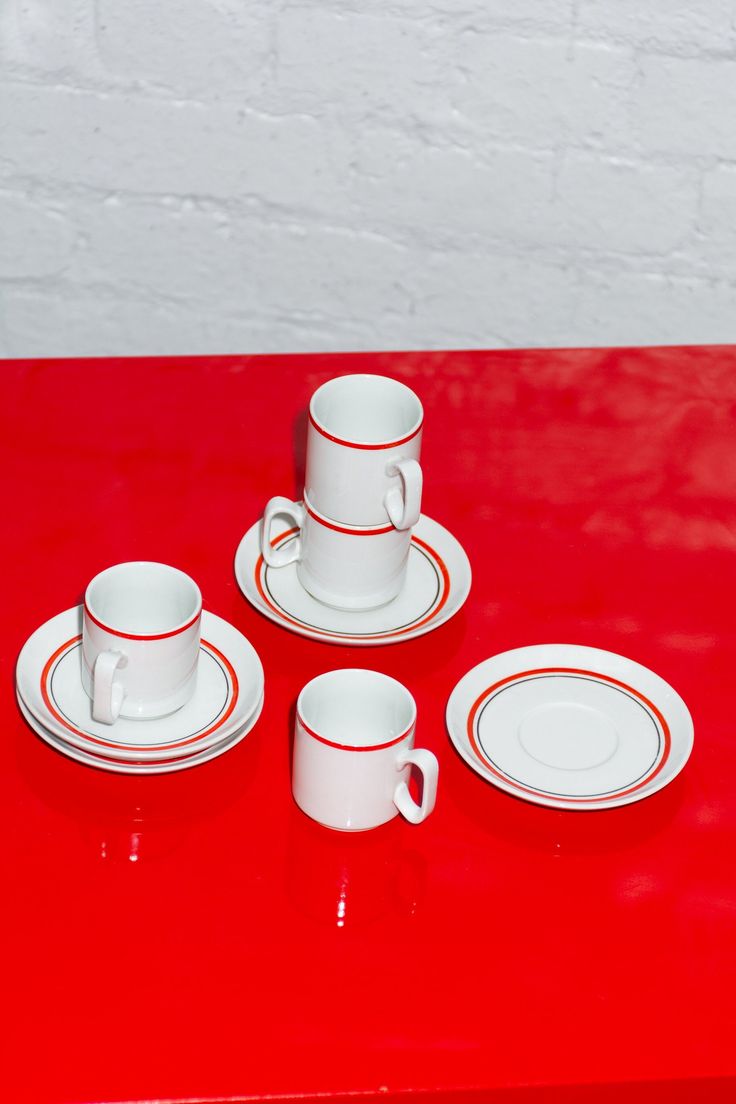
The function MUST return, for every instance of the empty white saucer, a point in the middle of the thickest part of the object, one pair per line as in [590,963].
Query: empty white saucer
[116,766]
[569,726]
[229,689]
[437,583]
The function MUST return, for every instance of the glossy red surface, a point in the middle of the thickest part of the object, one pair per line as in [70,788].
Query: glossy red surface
[195,937]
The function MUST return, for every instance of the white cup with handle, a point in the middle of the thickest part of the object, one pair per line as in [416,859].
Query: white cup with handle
[363,444]
[347,567]
[354,752]
[140,641]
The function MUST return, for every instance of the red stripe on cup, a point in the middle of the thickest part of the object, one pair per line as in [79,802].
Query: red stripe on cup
[140,636]
[359,445]
[351,747]
[359,531]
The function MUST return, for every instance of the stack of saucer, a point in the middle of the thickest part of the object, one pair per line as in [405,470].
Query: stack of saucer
[222,707]
[358,563]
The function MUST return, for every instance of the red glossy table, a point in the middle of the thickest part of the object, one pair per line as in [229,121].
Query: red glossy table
[194,937]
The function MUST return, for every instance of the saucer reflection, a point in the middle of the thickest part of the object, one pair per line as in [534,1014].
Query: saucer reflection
[130,819]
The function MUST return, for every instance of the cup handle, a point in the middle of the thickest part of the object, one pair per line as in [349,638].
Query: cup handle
[280,557]
[107,693]
[430,768]
[403,506]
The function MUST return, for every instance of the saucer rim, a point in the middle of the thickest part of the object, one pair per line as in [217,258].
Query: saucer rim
[144,754]
[460,584]
[98,762]
[551,653]
[132,751]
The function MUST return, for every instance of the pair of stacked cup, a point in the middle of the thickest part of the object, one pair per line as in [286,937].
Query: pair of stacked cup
[362,495]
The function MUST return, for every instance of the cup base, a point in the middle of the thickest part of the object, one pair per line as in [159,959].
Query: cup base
[342,827]
[149,711]
[353,605]
[349,831]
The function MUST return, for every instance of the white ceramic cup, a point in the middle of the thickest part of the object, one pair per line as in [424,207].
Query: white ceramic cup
[140,641]
[348,567]
[363,445]
[354,750]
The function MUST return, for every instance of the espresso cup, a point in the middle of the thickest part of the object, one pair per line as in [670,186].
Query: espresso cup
[354,750]
[140,641]
[363,444]
[348,567]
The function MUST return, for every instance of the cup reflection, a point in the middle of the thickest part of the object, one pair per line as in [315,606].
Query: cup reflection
[347,880]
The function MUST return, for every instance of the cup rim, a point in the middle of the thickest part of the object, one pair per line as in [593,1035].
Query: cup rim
[376,675]
[350,443]
[181,627]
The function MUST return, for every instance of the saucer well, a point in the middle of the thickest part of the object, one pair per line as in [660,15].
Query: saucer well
[229,687]
[117,766]
[437,583]
[570,727]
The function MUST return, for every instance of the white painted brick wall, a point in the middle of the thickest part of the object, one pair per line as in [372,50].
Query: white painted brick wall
[259,175]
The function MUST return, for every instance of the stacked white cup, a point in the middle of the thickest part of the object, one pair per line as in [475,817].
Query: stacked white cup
[362,494]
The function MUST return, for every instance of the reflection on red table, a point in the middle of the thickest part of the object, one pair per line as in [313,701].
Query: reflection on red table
[194,936]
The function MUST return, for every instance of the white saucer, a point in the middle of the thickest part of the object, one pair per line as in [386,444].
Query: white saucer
[437,583]
[229,688]
[152,767]
[570,727]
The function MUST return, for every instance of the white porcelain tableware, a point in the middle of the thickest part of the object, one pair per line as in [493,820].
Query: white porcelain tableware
[569,726]
[354,750]
[140,640]
[229,688]
[168,766]
[363,445]
[347,567]
[438,579]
